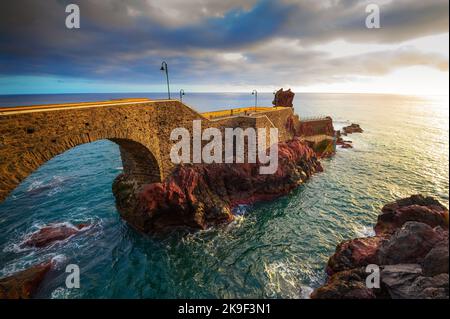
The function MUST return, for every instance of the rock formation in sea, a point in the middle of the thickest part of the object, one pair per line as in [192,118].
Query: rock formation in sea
[352,128]
[410,247]
[24,284]
[198,196]
[52,233]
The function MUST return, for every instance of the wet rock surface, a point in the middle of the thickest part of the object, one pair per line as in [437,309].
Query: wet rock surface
[410,248]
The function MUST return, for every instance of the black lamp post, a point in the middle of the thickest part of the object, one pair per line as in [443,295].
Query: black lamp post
[255,93]
[181,95]
[164,67]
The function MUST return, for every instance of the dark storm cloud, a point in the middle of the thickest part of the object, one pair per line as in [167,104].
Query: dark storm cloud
[126,40]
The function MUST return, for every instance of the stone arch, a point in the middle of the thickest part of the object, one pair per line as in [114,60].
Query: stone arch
[140,163]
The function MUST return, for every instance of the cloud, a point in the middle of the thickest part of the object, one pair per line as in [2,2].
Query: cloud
[242,42]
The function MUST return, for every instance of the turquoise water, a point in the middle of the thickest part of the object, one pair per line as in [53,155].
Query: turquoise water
[276,250]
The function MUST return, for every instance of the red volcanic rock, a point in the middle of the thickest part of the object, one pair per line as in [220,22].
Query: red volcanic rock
[283,98]
[354,253]
[410,246]
[415,208]
[52,233]
[24,284]
[202,195]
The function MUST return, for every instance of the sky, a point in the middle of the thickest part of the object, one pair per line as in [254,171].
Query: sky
[225,46]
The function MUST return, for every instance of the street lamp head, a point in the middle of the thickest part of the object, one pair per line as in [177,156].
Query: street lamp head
[162,68]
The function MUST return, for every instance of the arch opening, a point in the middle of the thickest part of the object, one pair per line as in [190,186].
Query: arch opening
[139,164]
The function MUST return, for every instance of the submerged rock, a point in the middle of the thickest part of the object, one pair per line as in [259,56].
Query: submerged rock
[52,233]
[24,284]
[410,247]
[202,195]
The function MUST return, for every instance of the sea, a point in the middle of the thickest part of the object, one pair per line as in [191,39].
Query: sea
[276,249]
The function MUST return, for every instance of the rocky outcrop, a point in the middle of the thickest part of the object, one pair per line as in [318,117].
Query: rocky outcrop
[352,128]
[202,195]
[283,98]
[341,142]
[410,248]
[24,284]
[52,233]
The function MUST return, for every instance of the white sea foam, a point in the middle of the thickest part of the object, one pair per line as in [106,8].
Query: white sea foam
[365,231]
[283,280]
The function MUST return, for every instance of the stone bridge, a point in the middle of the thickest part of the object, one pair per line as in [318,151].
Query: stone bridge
[32,135]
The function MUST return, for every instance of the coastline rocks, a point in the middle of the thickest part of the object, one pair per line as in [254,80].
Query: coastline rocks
[347,284]
[199,196]
[409,244]
[410,247]
[415,208]
[405,281]
[340,141]
[24,284]
[52,233]
[352,128]
[354,253]
[436,261]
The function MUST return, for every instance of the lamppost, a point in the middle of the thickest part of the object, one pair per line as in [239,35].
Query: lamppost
[181,95]
[164,67]
[255,93]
